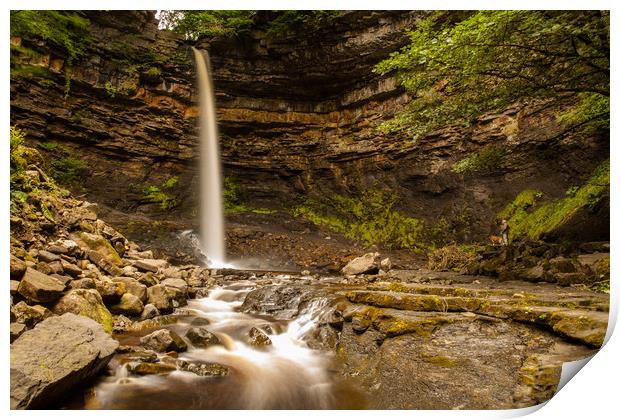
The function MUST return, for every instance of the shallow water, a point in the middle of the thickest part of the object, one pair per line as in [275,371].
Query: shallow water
[286,375]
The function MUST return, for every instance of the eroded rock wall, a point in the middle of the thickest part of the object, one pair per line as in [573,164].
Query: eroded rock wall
[298,116]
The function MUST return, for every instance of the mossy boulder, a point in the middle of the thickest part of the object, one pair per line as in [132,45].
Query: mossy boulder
[88,303]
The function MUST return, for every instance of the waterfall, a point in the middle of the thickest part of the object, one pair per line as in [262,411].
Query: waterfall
[211,206]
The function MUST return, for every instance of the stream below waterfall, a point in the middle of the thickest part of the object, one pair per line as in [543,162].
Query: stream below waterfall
[287,374]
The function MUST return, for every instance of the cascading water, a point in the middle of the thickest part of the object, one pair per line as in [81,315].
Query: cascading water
[284,375]
[211,206]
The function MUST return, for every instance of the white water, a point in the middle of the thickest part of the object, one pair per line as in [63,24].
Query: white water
[211,205]
[287,374]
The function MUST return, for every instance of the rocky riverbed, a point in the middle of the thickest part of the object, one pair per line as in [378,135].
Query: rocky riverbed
[98,322]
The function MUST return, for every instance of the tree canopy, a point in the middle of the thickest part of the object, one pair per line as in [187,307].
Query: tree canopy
[64,29]
[195,24]
[458,71]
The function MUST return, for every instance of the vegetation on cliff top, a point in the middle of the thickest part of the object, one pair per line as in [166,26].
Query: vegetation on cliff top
[528,217]
[195,24]
[63,29]
[458,71]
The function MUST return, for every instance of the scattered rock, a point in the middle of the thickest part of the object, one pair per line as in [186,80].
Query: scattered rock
[85,283]
[121,323]
[38,287]
[14,285]
[366,264]
[163,340]
[203,369]
[129,304]
[386,264]
[110,291]
[150,311]
[160,298]
[148,279]
[257,338]
[47,256]
[30,315]
[45,368]
[71,269]
[17,268]
[201,337]
[99,251]
[88,303]
[151,265]
[147,368]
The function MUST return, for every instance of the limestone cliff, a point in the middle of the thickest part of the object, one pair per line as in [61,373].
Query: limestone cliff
[298,115]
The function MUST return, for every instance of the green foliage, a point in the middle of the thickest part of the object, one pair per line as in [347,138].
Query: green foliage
[67,169]
[64,29]
[170,182]
[369,217]
[79,115]
[153,72]
[590,114]
[199,23]
[18,161]
[489,159]
[291,21]
[527,217]
[162,195]
[457,71]
[29,71]
[233,201]
[110,89]
[195,24]
[50,146]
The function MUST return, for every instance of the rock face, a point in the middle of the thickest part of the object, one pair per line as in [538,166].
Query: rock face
[59,353]
[319,110]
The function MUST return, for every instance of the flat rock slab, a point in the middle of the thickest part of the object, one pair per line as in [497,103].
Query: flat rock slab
[150,265]
[38,287]
[59,353]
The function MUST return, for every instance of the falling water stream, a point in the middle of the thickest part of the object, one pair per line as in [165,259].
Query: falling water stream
[284,375]
[211,205]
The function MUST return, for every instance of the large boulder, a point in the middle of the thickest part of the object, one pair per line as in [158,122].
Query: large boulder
[366,264]
[40,288]
[163,341]
[129,305]
[58,354]
[99,251]
[88,303]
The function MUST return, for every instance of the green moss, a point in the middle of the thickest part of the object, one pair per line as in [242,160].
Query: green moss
[162,195]
[110,89]
[442,361]
[67,169]
[489,159]
[28,71]
[50,146]
[233,201]
[529,218]
[369,217]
